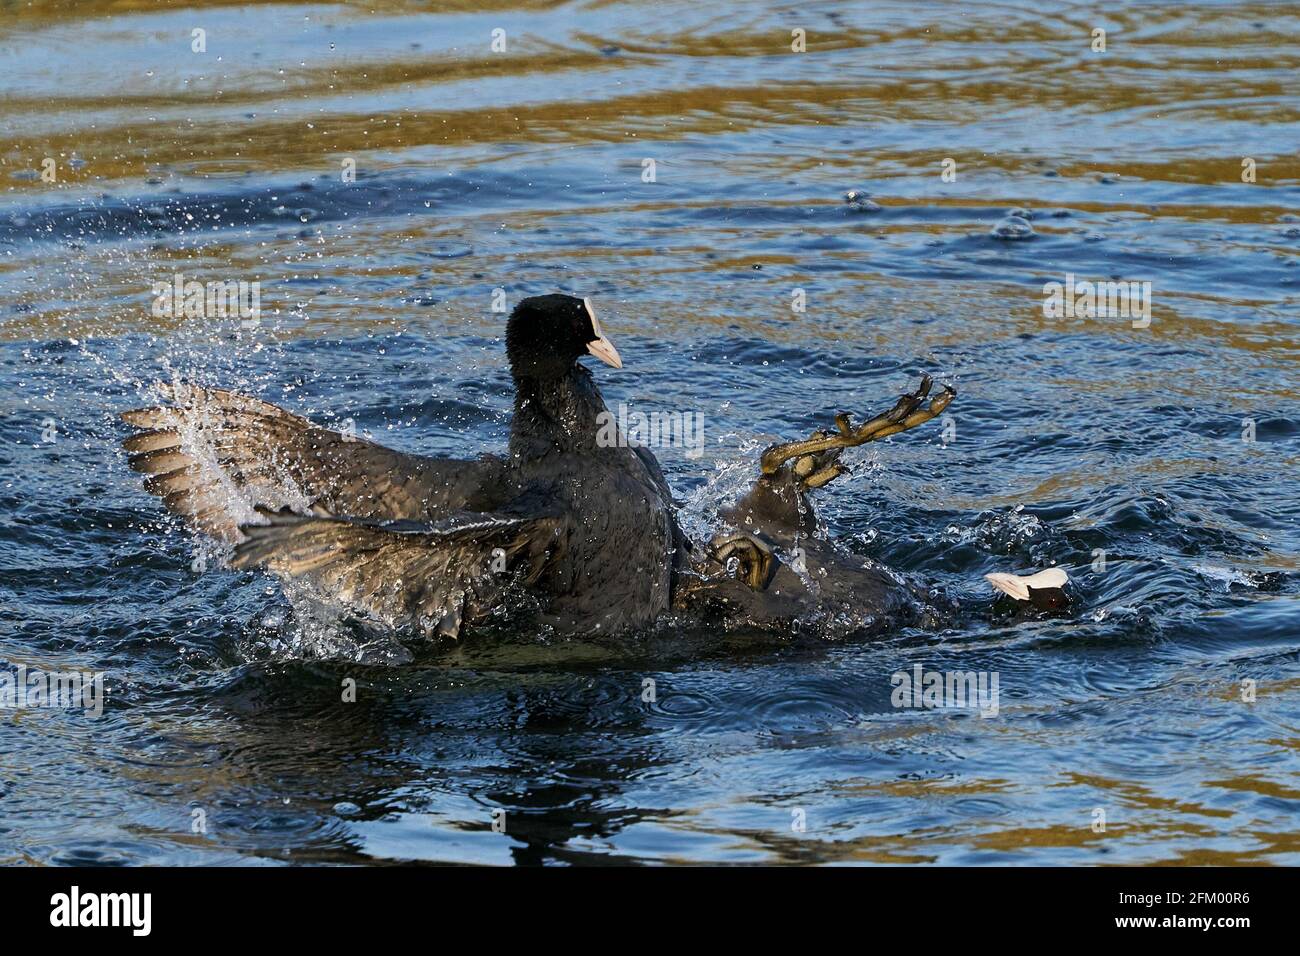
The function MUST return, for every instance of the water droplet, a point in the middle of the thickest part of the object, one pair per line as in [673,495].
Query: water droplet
[1013,228]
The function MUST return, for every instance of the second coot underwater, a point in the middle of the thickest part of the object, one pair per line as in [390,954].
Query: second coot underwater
[566,531]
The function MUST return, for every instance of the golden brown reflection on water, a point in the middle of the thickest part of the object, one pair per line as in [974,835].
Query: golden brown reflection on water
[523,169]
[166,105]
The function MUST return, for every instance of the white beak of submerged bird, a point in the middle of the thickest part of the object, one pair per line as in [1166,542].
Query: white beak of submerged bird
[601,347]
[1022,588]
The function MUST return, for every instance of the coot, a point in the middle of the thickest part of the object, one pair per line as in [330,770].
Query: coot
[563,530]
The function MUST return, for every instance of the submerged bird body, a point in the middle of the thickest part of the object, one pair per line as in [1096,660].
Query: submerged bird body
[813,582]
[787,571]
[567,531]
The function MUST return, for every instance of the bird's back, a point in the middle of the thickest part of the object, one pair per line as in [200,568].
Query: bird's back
[614,569]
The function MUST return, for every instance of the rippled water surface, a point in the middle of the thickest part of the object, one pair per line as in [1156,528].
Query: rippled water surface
[1071,441]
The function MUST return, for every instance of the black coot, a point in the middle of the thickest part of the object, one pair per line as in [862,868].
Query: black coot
[563,531]
[587,532]
[777,567]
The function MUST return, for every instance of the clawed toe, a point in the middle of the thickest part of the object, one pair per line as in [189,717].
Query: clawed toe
[817,468]
[816,458]
[755,562]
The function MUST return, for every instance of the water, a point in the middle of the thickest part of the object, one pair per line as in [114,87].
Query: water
[1074,439]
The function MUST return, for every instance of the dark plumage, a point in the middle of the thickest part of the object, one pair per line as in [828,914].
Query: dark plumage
[573,534]
[432,543]
[813,583]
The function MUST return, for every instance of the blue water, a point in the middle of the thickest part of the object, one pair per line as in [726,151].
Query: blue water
[1071,440]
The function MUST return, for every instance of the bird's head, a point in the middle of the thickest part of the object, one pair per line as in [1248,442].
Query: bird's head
[547,334]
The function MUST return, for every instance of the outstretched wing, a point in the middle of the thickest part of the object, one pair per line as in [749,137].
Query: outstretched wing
[431,581]
[214,456]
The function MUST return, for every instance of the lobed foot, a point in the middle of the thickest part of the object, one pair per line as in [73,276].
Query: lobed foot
[816,459]
[756,564]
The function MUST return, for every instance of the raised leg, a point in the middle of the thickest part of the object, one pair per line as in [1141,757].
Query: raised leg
[816,458]
[779,505]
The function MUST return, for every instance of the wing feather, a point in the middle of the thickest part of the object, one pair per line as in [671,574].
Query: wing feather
[432,581]
[212,446]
